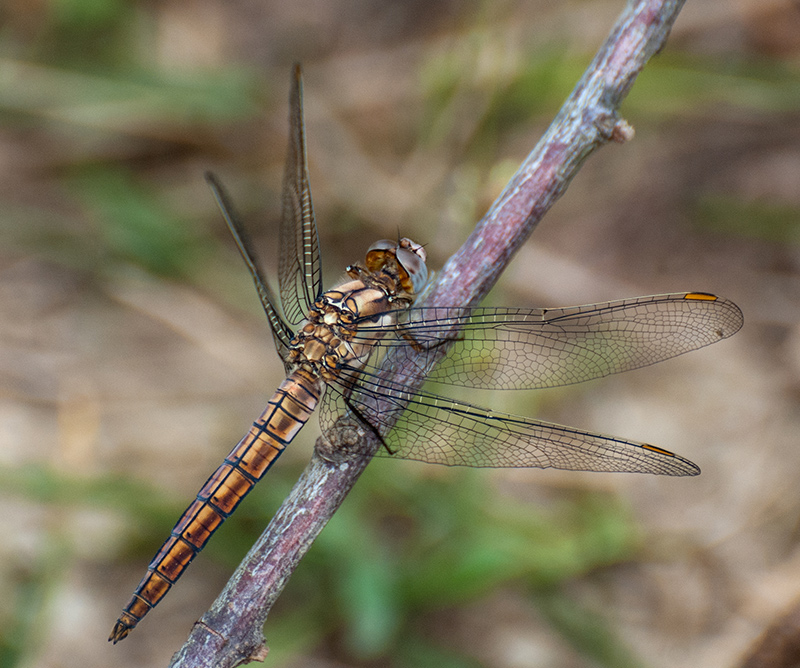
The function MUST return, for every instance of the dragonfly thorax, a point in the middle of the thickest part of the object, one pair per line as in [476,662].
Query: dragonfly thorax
[333,337]
[329,339]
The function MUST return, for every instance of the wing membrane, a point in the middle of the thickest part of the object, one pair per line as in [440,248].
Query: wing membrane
[500,348]
[441,430]
[299,271]
[281,332]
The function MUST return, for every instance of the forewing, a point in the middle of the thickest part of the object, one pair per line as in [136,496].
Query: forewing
[281,332]
[300,271]
[499,348]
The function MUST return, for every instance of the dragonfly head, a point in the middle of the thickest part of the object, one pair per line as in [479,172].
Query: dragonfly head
[409,257]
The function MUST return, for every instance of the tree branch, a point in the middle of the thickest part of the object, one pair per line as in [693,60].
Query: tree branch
[230,633]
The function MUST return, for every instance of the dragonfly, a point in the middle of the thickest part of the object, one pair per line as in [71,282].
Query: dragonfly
[332,344]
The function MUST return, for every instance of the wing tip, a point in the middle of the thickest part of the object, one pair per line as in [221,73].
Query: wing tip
[734,317]
[689,469]
[678,465]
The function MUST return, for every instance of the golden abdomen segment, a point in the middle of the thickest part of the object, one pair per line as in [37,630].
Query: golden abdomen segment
[284,416]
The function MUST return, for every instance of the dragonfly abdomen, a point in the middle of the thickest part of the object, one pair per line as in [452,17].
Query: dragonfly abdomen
[284,416]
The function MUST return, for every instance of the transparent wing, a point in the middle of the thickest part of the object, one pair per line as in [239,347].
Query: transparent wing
[299,271]
[504,348]
[281,332]
[439,430]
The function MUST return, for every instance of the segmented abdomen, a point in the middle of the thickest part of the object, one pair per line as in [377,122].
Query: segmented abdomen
[285,414]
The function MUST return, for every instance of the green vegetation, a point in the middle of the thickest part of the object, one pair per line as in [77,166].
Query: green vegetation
[109,144]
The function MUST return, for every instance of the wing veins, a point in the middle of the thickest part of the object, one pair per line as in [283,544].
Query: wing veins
[281,332]
[300,270]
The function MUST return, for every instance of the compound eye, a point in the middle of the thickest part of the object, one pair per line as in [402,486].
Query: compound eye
[414,266]
[378,252]
[383,245]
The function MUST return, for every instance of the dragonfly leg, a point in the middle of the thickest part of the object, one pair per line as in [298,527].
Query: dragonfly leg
[367,423]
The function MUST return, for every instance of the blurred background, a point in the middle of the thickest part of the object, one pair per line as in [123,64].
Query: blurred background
[134,353]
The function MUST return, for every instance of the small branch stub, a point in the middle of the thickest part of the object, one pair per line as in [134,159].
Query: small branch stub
[622,132]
